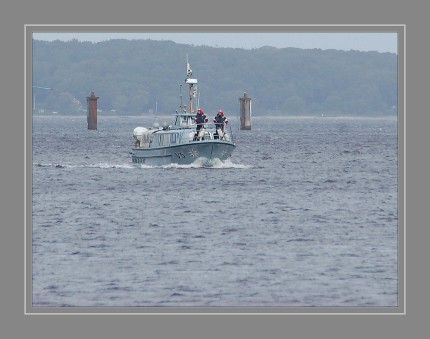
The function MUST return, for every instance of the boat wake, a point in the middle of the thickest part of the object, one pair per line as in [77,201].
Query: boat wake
[204,163]
[198,163]
[99,165]
[201,163]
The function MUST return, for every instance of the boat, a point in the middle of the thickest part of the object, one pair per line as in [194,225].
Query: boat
[180,143]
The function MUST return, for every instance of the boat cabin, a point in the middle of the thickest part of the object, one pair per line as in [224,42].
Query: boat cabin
[184,120]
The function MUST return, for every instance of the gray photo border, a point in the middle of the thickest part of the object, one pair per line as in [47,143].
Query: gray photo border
[400,30]
[15,323]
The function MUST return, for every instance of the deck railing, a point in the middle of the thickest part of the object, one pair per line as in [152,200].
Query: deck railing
[211,132]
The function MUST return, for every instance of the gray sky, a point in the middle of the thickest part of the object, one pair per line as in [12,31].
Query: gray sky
[381,42]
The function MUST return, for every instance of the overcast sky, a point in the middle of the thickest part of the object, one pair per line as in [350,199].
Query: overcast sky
[380,42]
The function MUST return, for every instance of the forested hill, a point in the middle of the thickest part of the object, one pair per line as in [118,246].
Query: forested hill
[139,76]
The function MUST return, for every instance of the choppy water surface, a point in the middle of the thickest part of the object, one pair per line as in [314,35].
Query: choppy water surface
[304,214]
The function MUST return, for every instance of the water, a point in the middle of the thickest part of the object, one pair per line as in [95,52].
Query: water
[304,214]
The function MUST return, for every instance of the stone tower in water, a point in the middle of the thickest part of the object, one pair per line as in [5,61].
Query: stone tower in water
[92,111]
[245,112]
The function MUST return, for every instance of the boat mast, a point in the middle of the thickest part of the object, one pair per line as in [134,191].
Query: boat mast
[189,73]
[191,83]
[180,95]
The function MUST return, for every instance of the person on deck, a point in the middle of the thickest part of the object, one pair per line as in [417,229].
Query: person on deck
[220,120]
[200,119]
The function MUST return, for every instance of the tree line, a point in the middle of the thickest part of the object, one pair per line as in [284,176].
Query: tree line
[147,76]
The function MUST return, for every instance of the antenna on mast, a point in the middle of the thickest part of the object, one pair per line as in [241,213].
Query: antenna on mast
[189,70]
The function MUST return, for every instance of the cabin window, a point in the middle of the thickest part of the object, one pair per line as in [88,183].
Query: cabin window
[163,139]
[174,138]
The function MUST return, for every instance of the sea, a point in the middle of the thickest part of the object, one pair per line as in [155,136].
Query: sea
[304,213]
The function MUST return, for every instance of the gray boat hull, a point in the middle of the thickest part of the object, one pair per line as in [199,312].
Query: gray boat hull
[183,154]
